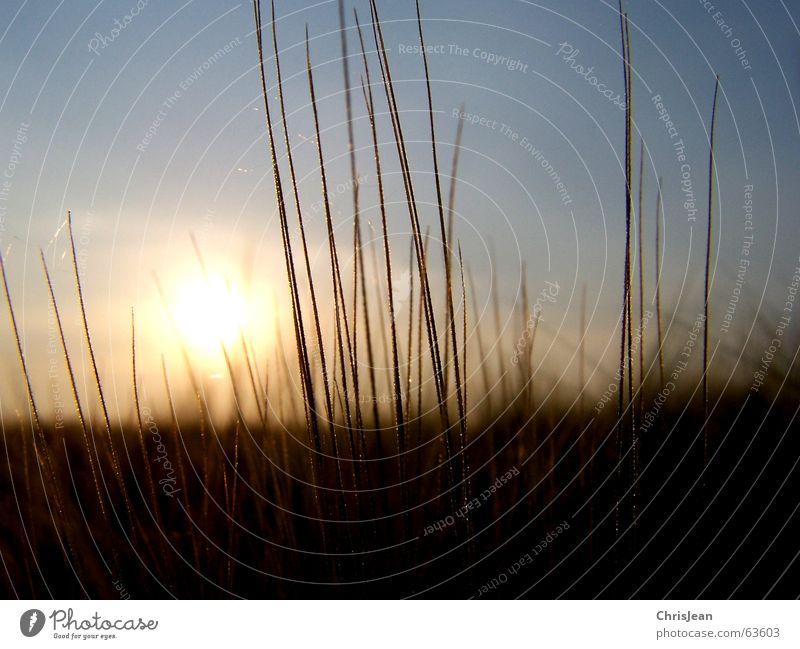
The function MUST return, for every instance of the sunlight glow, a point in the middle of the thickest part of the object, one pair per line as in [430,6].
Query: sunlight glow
[209,312]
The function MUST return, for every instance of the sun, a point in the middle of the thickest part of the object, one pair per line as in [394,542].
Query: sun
[209,312]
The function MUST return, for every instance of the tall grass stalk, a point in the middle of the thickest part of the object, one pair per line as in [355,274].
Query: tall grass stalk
[498,327]
[451,200]
[43,457]
[151,486]
[658,290]
[301,343]
[419,356]
[252,374]
[320,346]
[84,321]
[463,378]
[466,487]
[487,383]
[340,312]
[410,336]
[430,321]
[640,251]
[625,318]
[373,383]
[707,284]
[301,226]
[29,531]
[629,164]
[370,104]
[356,219]
[310,408]
[446,256]
[91,449]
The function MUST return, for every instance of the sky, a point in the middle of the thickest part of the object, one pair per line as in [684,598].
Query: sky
[146,122]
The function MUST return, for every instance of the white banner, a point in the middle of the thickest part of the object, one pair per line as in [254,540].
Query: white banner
[408,624]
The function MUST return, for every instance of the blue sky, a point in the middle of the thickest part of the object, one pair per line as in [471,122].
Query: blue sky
[147,135]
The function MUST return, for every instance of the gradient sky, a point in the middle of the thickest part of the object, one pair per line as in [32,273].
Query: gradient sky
[78,101]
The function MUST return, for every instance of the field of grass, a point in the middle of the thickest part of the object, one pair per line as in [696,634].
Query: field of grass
[391,454]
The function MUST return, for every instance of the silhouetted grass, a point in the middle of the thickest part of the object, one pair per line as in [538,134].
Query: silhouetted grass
[280,497]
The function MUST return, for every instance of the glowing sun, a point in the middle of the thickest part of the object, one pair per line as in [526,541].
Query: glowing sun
[209,312]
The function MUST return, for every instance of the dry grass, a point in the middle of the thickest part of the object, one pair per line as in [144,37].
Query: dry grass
[296,495]
[707,282]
